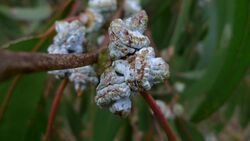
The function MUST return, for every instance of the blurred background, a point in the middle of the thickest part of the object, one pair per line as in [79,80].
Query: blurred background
[205,42]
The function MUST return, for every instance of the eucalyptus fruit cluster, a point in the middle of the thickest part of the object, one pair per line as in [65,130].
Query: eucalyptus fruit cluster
[69,39]
[134,66]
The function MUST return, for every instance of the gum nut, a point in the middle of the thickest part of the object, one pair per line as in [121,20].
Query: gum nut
[146,85]
[121,47]
[115,33]
[133,39]
[121,107]
[112,93]
[115,25]
[148,52]
[132,7]
[95,20]
[138,21]
[121,66]
[103,4]
[115,52]
[109,77]
[59,38]
[61,26]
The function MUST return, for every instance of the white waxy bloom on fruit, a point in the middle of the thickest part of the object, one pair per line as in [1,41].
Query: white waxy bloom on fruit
[127,36]
[98,11]
[92,19]
[82,77]
[69,39]
[135,67]
[131,7]
[149,69]
[103,5]
[112,87]
[121,107]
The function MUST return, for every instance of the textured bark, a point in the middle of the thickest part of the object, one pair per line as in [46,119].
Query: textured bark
[12,63]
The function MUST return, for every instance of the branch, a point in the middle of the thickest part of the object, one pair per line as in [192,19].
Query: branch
[23,62]
[159,116]
[54,107]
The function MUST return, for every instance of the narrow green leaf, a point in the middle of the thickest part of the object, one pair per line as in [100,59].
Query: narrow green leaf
[27,44]
[188,131]
[9,29]
[27,14]
[163,22]
[127,134]
[144,115]
[23,104]
[38,122]
[106,125]
[244,94]
[74,119]
[230,62]
[181,21]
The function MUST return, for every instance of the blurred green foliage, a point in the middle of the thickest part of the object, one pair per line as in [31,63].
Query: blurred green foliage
[211,57]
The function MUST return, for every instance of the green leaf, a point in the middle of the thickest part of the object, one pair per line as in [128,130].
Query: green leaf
[22,105]
[230,61]
[27,44]
[127,134]
[106,125]
[9,29]
[27,14]
[162,22]
[38,122]
[144,115]
[74,119]
[180,25]
[244,90]
[188,131]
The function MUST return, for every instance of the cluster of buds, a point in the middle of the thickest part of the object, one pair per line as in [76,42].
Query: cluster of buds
[69,39]
[71,36]
[99,11]
[134,68]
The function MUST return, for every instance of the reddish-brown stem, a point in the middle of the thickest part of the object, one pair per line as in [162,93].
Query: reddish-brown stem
[48,86]
[54,107]
[79,92]
[159,116]
[61,8]
[149,134]
[119,11]
[74,8]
